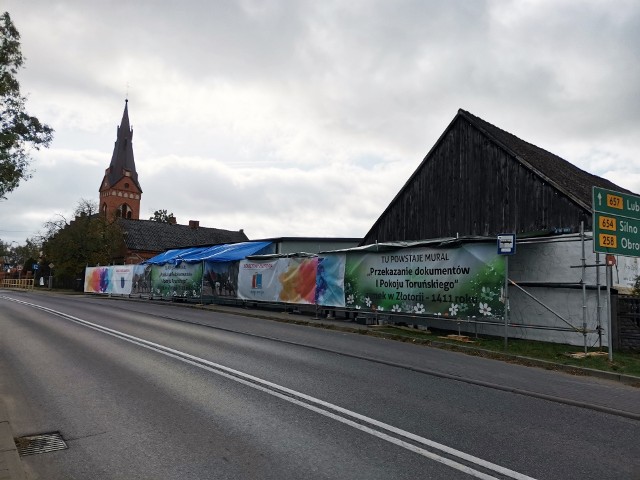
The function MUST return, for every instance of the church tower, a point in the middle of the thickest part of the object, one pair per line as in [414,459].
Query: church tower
[120,191]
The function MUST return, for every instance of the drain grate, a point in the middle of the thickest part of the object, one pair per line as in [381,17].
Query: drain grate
[44,443]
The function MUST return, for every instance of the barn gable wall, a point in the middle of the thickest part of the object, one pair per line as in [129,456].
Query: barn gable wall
[470,185]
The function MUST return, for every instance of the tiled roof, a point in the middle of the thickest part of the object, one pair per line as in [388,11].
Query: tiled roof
[569,179]
[149,235]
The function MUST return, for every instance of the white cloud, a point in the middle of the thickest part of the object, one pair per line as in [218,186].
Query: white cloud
[306,118]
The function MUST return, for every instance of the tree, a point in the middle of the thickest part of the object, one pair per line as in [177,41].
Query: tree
[18,130]
[19,259]
[27,254]
[163,217]
[90,239]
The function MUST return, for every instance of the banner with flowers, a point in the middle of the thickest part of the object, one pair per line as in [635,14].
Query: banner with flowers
[455,282]
[183,280]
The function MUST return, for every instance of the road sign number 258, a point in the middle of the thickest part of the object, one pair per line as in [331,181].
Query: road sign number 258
[610,241]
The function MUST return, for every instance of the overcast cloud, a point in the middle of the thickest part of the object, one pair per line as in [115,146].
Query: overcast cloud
[305,118]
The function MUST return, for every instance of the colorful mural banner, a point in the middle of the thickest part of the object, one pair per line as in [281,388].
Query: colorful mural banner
[288,280]
[97,280]
[182,280]
[116,279]
[456,282]
[330,280]
[298,281]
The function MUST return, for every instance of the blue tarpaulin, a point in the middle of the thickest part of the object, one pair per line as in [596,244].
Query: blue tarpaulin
[217,253]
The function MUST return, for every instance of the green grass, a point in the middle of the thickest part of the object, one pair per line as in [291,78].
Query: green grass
[625,363]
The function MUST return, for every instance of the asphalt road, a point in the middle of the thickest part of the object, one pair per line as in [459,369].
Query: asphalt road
[142,391]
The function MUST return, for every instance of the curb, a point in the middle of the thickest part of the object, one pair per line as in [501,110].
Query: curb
[10,463]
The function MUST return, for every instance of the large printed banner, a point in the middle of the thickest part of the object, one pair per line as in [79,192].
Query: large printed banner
[112,279]
[298,280]
[121,279]
[455,282]
[97,280]
[141,283]
[221,279]
[330,280]
[183,280]
[464,281]
[258,279]
[289,280]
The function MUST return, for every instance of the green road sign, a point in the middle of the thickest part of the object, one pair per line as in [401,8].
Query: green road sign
[616,203]
[616,235]
[616,223]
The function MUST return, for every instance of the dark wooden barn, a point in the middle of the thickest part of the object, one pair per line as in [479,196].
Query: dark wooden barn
[480,180]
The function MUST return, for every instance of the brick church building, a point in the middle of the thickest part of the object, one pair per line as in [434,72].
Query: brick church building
[120,197]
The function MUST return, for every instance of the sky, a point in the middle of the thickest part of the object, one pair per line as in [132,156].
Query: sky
[305,118]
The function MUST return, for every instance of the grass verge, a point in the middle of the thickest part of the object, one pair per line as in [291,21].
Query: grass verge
[625,363]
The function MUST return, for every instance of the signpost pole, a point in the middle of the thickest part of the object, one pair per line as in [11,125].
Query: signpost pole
[598,301]
[506,301]
[584,289]
[609,333]
[506,247]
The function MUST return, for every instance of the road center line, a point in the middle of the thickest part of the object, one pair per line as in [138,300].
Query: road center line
[335,412]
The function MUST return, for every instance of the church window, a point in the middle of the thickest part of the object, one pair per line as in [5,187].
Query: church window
[124,211]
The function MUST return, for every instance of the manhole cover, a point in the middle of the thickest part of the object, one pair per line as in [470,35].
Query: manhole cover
[35,444]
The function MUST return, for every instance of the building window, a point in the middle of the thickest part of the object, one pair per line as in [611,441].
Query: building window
[124,211]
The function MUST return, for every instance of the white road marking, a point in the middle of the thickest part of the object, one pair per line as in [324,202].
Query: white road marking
[327,409]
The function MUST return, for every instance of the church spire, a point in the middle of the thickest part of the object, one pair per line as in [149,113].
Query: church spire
[120,190]
[122,161]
